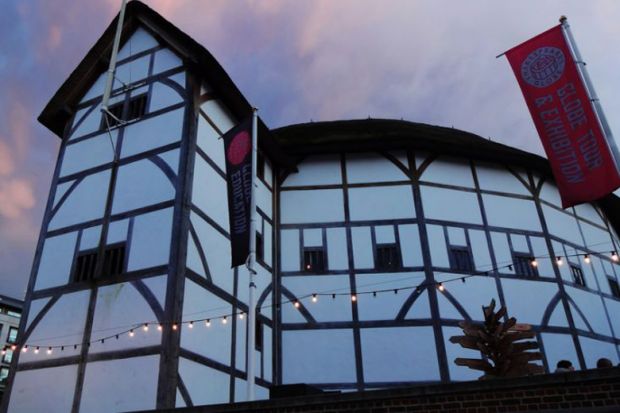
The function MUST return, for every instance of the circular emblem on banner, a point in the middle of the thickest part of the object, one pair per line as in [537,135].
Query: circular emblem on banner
[239,148]
[543,66]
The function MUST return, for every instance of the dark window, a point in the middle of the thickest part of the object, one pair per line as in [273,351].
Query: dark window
[314,260]
[577,275]
[135,110]
[137,107]
[460,259]
[114,260]
[613,285]
[260,249]
[8,356]
[387,257]
[4,373]
[260,166]
[117,114]
[85,266]
[258,338]
[523,266]
[1,325]
[12,337]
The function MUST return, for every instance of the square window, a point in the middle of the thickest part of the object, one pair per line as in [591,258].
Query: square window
[85,266]
[614,287]
[12,337]
[525,265]
[8,356]
[461,259]
[114,260]
[4,373]
[314,260]
[577,274]
[116,111]
[387,257]
[136,108]
[113,263]
[260,166]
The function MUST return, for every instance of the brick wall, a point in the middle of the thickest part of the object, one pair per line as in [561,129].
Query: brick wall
[583,391]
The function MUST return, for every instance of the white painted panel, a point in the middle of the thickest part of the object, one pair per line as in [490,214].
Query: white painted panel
[384,234]
[165,60]
[595,349]
[501,248]
[209,193]
[62,325]
[386,305]
[152,133]
[267,352]
[326,308]
[531,310]
[150,243]
[268,173]
[313,237]
[549,192]
[318,356]
[214,341]
[399,354]
[264,198]
[316,170]
[559,347]
[139,41]
[205,385]
[267,244]
[447,310]
[545,264]
[369,167]
[592,307]
[437,245]
[523,214]
[497,178]
[456,236]
[450,205]
[473,294]
[128,384]
[85,203]
[216,248]
[123,305]
[61,189]
[88,153]
[158,286]
[519,243]
[140,184]
[613,308]
[32,391]
[240,347]
[290,250]
[117,231]
[558,316]
[219,115]
[480,250]
[325,205]
[596,238]
[56,260]
[87,121]
[91,237]
[35,308]
[337,249]
[450,171]
[163,96]
[410,248]
[453,351]
[193,258]
[130,72]
[420,308]
[589,212]
[385,202]
[96,89]
[211,143]
[362,247]
[179,402]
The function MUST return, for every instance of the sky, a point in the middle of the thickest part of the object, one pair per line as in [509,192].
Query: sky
[428,61]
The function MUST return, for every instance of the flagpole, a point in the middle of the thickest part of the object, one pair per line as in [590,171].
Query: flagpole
[251,330]
[598,109]
[112,67]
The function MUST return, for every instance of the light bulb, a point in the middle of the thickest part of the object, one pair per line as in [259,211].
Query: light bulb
[145,327]
[353,297]
[614,256]
[559,261]
[175,326]
[224,320]
[240,316]
[191,324]
[36,350]
[296,304]
[314,298]
[131,333]
[208,323]
[586,258]
[440,287]
[49,350]
[160,327]
[534,262]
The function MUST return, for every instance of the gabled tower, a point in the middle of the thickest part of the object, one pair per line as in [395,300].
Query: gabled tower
[140,239]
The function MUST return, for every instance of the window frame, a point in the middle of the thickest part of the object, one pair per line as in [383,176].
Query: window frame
[308,251]
[105,271]
[577,275]
[8,336]
[397,261]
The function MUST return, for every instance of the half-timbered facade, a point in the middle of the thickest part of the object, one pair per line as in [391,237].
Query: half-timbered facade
[358,223]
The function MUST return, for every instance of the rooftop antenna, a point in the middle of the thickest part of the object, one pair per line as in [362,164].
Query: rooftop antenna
[112,68]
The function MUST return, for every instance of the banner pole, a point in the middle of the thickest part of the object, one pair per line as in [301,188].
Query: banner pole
[594,100]
[112,68]
[251,330]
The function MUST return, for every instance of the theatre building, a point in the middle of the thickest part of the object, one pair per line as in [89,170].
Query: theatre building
[374,239]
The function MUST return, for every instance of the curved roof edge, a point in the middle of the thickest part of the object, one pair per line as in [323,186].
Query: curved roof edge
[364,135]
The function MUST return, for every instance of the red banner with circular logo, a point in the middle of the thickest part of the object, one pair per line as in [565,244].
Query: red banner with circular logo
[580,157]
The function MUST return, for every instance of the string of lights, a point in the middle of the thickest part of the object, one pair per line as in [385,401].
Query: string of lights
[313,298]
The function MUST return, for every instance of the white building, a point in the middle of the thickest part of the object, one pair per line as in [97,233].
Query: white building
[346,208]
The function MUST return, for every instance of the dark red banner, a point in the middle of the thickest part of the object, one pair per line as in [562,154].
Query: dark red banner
[238,151]
[582,163]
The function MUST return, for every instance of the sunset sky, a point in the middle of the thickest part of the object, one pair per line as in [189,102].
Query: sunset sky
[425,61]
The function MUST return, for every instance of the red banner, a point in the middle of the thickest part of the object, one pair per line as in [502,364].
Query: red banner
[582,163]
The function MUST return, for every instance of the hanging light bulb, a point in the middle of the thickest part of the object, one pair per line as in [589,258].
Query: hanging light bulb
[614,256]
[13,347]
[208,323]
[353,297]
[587,259]
[145,327]
[533,262]
[131,333]
[296,304]
[559,261]
[441,288]
[314,298]
[241,315]
[160,327]
[224,320]
[191,324]
[25,349]
[49,350]
[36,350]
[175,326]
[3,351]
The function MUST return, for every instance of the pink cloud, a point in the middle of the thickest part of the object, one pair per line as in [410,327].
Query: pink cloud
[7,165]
[16,197]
